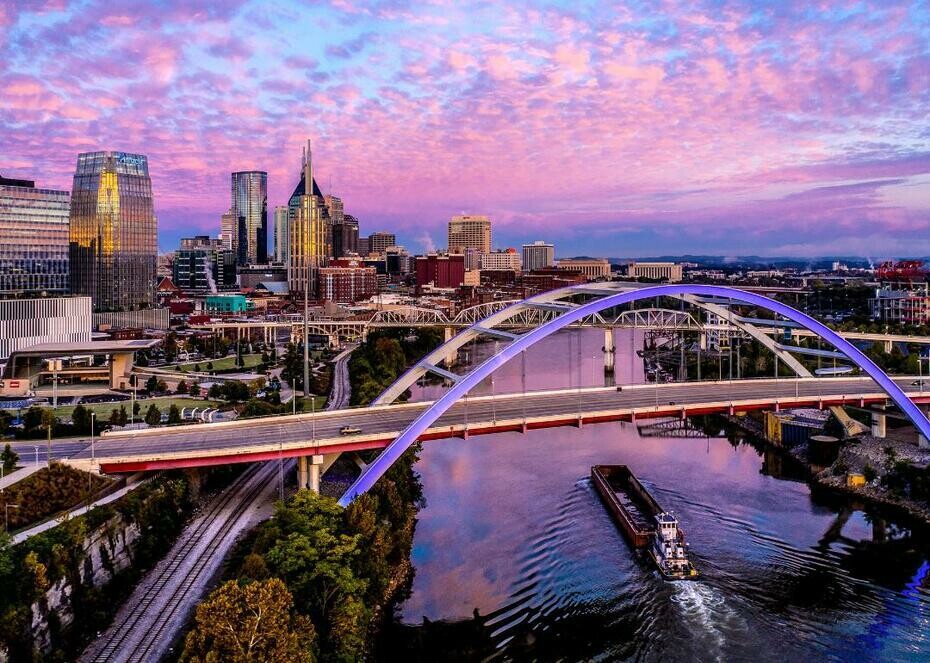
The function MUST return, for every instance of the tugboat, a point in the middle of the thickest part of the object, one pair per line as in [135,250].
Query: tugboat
[668,550]
[645,524]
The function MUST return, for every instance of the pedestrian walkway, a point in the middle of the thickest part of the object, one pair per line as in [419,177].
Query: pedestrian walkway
[132,483]
[18,475]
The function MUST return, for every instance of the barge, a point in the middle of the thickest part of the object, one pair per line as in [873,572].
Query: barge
[643,522]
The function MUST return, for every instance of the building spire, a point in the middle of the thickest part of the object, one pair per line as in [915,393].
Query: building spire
[308,170]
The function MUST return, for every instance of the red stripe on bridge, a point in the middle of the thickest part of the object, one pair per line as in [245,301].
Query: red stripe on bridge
[663,411]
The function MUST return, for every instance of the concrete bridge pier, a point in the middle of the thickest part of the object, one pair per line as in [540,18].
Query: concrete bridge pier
[452,358]
[879,425]
[609,351]
[309,471]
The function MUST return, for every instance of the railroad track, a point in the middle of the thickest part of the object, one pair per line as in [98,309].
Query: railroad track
[178,577]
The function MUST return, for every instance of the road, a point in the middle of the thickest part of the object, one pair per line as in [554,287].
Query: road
[296,433]
[340,391]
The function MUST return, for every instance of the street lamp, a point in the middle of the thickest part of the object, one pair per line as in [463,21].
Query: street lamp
[6,515]
[37,454]
[93,420]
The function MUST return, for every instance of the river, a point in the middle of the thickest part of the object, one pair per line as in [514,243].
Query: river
[513,529]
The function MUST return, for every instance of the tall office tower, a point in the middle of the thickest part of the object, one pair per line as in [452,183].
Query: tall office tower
[538,255]
[229,231]
[379,242]
[33,240]
[469,232]
[250,205]
[334,206]
[345,237]
[311,234]
[114,233]
[281,234]
[362,247]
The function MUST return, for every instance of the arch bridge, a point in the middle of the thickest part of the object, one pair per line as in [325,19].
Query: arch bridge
[577,304]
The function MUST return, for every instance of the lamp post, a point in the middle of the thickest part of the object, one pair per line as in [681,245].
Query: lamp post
[37,454]
[93,422]
[6,515]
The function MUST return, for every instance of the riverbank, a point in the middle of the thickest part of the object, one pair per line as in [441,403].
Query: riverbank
[895,471]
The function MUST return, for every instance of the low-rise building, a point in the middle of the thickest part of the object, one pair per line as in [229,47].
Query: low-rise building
[659,271]
[591,268]
[508,259]
[227,304]
[441,270]
[28,322]
[347,282]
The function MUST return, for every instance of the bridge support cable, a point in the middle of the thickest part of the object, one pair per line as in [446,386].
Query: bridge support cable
[626,296]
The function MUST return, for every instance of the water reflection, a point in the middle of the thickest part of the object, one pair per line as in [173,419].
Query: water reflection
[514,530]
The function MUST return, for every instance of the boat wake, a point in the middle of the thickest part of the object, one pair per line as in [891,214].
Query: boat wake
[703,606]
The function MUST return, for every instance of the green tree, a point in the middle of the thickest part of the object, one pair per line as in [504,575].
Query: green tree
[153,415]
[315,558]
[123,415]
[114,417]
[171,347]
[174,414]
[255,622]
[9,459]
[182,387]
[293,365]
[216,391]
[32,418]
[151,384]
[80,418]
[6,419]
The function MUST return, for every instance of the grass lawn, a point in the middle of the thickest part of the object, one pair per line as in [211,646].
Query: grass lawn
[303,405]
[103,410]
[223,364]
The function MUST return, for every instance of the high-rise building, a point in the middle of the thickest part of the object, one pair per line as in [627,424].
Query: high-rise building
[282,232]
[230,230]
[113,231]
[469,232]
[33,239]
[379,242]
[203,264]
[311,236]
[250,205]
[335,209]
[538,255]
[345,237]
[363,248]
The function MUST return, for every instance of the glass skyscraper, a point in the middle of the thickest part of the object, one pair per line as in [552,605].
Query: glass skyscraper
[250,206]
[33,240]
[311,240]
[113,238]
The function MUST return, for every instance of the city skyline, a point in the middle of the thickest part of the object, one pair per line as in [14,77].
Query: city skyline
[722,129]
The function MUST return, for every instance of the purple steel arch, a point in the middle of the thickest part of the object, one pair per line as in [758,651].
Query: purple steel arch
[395,449]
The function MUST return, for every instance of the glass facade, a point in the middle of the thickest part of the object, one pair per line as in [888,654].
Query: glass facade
[113,237]
[33,240]
[311,240]
[250,207]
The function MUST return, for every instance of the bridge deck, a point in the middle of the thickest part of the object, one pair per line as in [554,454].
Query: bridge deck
[287,436]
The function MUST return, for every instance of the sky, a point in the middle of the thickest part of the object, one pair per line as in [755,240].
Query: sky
[611,129]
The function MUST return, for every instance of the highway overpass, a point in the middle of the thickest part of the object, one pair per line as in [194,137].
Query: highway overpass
[318,436]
